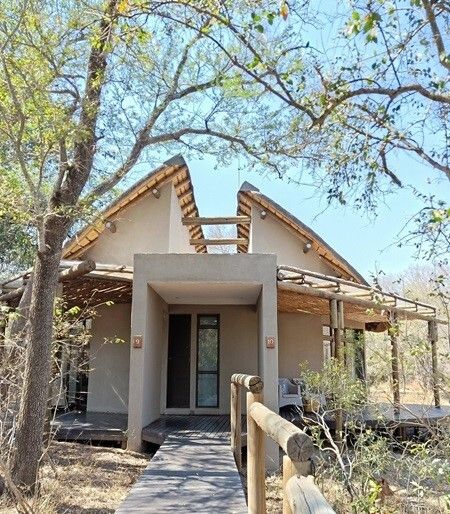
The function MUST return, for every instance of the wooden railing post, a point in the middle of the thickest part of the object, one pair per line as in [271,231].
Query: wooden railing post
[235,421]
[300,494]
[255,460]
[288,472]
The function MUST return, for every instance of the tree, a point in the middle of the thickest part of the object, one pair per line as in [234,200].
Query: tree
[365,89]
[88,90]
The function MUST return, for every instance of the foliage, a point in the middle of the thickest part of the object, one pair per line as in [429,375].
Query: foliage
[371,471]
[367,86]
[16,246]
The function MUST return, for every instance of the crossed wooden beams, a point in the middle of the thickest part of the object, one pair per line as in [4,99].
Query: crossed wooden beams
[227,220]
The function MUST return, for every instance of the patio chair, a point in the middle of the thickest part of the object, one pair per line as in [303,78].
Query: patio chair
[289,393]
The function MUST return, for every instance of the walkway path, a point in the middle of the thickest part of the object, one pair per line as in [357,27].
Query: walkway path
[193,471]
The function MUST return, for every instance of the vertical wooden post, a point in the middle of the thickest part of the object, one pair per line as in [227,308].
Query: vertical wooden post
[235,421]
[339,332]
[256,472]
[288,472]
[433,339]
[339,418]
[333,325]
[360,355]
[393,331]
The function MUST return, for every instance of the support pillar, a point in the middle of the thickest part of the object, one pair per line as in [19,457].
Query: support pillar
[268,360]
[433,339]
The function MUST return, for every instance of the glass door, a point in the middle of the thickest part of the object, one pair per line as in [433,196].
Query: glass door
[208,360]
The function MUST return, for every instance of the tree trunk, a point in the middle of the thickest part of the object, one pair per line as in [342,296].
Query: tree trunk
[30,427]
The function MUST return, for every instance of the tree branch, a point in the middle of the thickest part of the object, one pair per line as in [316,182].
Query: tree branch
[443,56]
[84,150]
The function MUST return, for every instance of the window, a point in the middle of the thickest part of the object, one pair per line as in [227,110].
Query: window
[208,360]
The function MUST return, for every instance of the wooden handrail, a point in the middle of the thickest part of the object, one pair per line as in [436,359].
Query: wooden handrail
[251,382]
[300,494]
[297,445]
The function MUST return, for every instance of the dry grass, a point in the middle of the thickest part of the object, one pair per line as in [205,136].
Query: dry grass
[398,502]
[412,392]
[79,478]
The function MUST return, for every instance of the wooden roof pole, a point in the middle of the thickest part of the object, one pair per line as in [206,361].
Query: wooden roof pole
[337,324]
[368,304]
[433,339]
[206,242]
[77,270]
[393,332]
[300,273]
[226,220]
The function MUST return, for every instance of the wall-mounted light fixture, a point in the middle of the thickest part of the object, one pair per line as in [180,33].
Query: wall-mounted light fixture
[156,192]
[307,247]
[111,226]
[263,215]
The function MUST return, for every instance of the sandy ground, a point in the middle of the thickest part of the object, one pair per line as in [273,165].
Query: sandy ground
[79,478]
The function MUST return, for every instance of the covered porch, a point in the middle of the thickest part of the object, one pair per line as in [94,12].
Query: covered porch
[341,303]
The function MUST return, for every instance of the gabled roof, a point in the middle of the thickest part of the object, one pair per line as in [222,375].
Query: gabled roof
[174,170]
[249,194]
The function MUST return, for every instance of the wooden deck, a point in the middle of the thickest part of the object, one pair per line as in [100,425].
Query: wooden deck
[383,417]
[193,470]
[410,414]
[217,426]
[90,426]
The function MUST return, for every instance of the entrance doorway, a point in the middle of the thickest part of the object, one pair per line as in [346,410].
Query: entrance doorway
[179,362]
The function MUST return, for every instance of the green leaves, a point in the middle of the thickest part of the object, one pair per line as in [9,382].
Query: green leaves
[366,25]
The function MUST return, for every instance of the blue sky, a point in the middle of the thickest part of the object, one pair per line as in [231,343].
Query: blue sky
[368,242]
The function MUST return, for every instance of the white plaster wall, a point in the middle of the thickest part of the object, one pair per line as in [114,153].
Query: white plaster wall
[178,233]
[148,268]
[109,362]
[301,340]
[269,235]
[238,346]
[154,340]
[141,228]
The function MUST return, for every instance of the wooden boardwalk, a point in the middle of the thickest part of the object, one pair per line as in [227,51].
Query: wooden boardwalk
[193,470]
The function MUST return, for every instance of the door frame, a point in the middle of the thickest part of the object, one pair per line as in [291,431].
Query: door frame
[193,313]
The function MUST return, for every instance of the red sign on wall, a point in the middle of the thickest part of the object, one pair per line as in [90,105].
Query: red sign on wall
[138,341]
[270,342]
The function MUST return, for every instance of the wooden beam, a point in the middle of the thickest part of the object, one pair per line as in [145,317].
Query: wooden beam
[252,383]
[227,220]
[297,445]
[206,242]
[78,269]
[185,195]
[433,339]
[181,185]
[393,332]
[368,304]
[298,273]
[338,332]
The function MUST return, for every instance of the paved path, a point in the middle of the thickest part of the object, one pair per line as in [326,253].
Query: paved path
[189,473]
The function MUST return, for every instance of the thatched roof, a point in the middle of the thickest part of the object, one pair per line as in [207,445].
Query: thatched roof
[174,170]
[249,194]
